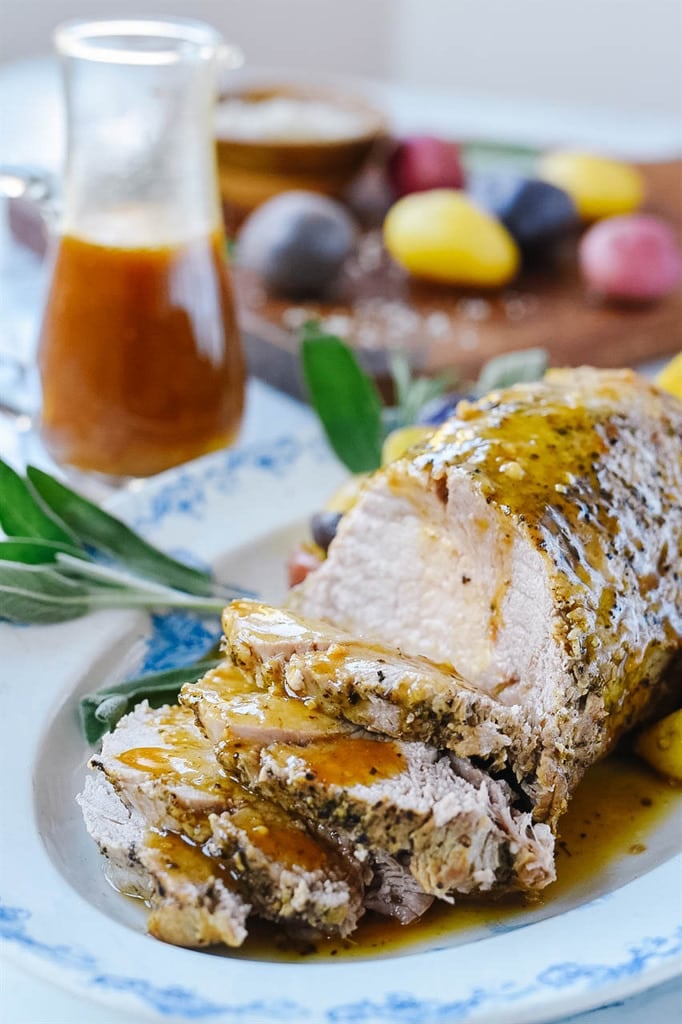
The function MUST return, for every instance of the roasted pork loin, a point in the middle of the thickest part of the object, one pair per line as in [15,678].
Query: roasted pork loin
[164,771]
[535,544]
[191,897]
[374,686]
[452,826]
[497,609]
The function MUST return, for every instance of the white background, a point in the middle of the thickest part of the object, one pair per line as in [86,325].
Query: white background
[621,55]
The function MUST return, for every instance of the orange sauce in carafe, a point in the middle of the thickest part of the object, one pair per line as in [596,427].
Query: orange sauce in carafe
[140,356]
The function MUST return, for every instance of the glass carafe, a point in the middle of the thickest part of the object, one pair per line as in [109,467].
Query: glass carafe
[140,356]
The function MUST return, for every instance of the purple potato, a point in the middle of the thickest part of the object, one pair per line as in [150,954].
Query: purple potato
[533,211]
[323,526]
[439,409]
[297,242]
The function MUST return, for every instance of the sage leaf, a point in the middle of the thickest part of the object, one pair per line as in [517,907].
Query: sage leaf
[413,393]
[98,529]
[39,594]
[345,400]
[36,551]
[114,588]
[22,515]
[528,364]
[100,711]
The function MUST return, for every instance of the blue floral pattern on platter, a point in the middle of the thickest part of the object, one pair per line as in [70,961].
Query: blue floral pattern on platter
[185,492]
[394,1008]
[179,638]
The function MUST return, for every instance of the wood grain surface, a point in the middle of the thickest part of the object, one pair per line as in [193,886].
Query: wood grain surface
[379,308]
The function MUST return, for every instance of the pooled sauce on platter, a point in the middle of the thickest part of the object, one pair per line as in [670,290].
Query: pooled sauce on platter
[612,815]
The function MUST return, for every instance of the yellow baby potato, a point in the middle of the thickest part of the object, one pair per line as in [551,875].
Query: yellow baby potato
[442,236]
[599,187]
[670,377]
[400,441]
[661,746]
[345,496]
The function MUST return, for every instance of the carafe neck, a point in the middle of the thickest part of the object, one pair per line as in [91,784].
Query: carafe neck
[140,160]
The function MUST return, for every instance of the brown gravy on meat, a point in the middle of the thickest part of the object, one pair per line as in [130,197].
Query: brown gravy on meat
[613,813]
[289,845]
[345,760]
[180,854]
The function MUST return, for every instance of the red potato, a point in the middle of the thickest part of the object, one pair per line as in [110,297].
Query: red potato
[302,561]
[634,256]
[423,162]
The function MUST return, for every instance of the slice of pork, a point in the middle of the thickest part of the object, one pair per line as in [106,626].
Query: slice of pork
[394,892]
[376,687]
[226,702]
[192,902]
[119,832]
[164,768]
[535,543]
[406,799]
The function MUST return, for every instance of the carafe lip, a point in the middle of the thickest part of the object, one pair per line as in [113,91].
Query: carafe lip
[138,41]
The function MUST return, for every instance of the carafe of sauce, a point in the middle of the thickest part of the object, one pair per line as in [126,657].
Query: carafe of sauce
[139,353]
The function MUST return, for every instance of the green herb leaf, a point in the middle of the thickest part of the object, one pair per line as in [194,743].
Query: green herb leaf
[114,588]
[97,528]
[39,594]
[100,711]
[401,374]
[412,393]
[344,398]
[21,515]
[494,156]
[32,551]
[45,593]
[511,368]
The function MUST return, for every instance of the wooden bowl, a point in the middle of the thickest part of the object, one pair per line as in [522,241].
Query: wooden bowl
[254,169]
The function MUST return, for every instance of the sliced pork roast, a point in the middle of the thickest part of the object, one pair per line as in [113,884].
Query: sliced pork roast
[226,703]
[535,543]
[164,771]
[192,897]
[454,828]
[374,686]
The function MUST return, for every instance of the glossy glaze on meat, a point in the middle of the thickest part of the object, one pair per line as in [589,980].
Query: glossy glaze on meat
[534,543]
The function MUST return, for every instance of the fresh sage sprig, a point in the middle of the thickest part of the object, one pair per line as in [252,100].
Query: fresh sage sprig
[345,399]
[22,515]
[42,594]
[39,594]
[413,393]
[99,529]
[529,364]
[51,560]
[34,551]
[350,408]
[100,711]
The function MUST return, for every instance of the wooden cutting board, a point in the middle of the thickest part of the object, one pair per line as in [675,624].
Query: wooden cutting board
[380,308]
